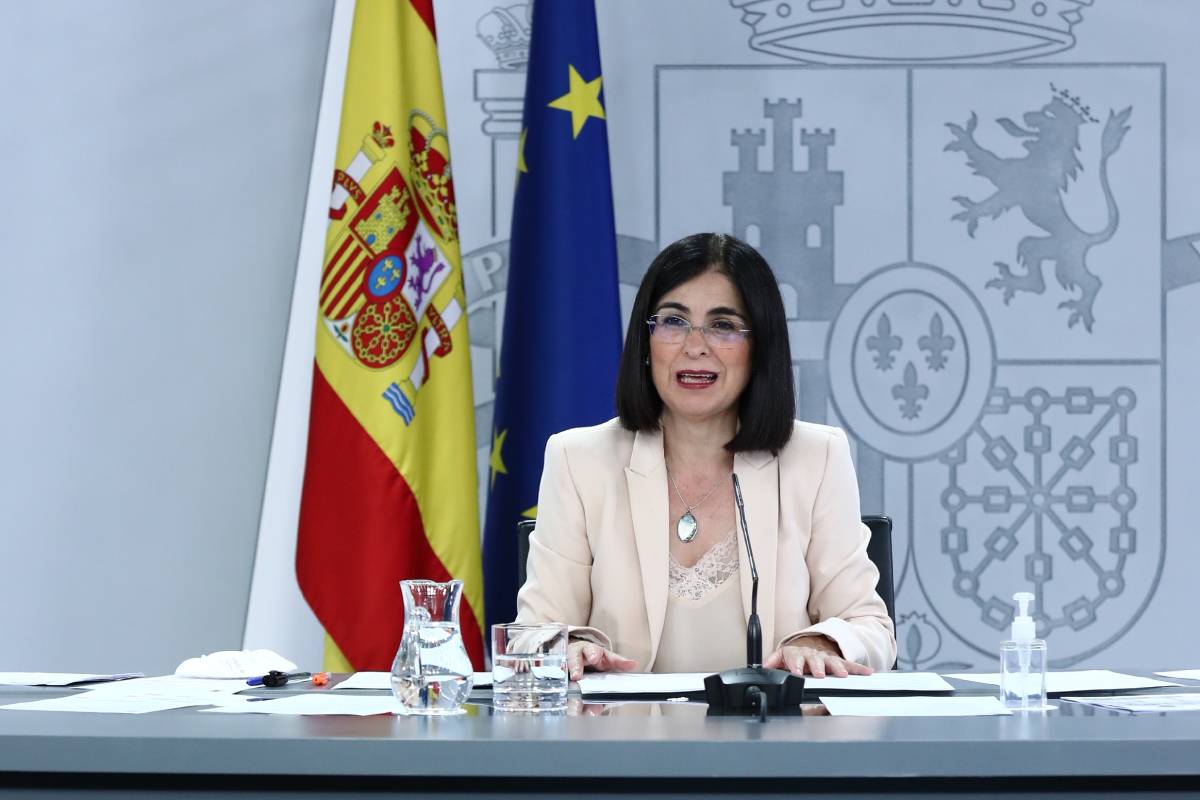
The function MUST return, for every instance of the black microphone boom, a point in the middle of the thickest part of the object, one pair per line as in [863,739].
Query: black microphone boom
[754,687]
[753,625]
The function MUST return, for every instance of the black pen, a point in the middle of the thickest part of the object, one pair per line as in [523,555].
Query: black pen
[275,678]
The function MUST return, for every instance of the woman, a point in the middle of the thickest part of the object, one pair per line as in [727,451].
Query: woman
[636,545]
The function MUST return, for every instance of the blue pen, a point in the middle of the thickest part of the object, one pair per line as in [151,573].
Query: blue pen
[275,678]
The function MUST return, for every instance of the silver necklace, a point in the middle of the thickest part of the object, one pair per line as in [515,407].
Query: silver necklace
[687,528]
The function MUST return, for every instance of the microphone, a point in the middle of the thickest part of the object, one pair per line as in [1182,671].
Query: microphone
[753,625]
[752,688]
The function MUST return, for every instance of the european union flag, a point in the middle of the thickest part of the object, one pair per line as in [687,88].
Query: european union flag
[562,326]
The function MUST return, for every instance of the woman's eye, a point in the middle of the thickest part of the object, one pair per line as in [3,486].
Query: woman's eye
[723,325]
[674,322]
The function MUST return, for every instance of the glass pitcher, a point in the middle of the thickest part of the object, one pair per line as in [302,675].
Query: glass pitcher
[432,673]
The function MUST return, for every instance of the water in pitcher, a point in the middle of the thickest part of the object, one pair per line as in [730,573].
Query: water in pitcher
[438,677]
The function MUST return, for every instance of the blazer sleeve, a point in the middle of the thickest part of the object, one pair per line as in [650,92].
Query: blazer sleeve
[842,577]
[558,585]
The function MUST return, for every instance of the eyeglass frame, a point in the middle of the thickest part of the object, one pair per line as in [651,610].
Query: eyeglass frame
[742,334]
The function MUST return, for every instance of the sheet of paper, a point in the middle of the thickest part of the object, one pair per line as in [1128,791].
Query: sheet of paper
[383,680]
[914,706]
[881,682]
[685,682]
[168,688]
[61,678]
[90,702]
[366,680]
[317,703]
[1081,680]
[1185,674]
[1143,703]
[642,683]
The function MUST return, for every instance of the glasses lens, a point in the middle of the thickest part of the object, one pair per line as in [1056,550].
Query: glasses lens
[669,328]
[724,337]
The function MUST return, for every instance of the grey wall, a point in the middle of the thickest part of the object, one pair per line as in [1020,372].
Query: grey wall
[1043,455]
[155,158]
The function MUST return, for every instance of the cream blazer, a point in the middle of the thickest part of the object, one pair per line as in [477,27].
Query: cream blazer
[598,559]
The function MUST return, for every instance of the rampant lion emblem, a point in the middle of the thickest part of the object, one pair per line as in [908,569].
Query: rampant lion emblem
[1034,183]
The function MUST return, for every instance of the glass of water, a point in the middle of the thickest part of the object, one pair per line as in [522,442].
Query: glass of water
[529,667]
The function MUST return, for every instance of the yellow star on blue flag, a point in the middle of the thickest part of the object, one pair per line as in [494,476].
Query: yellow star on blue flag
[496,460]
[582,100]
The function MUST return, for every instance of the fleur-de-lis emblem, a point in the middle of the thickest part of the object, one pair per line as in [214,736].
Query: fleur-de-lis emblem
[910,393]
[884,344]
[936,345]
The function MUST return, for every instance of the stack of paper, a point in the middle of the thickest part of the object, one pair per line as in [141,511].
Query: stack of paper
[317,703]
[881,682]
[1143,703]
[914,706]
[632,683]
[1185,674]
[143,695]
[61,678]
[1082,680]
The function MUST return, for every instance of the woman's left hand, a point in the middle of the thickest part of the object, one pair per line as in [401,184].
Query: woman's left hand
[816,656]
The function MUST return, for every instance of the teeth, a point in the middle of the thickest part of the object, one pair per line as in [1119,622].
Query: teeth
[689,377]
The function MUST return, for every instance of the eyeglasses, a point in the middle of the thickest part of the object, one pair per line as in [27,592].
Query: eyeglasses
[672,329]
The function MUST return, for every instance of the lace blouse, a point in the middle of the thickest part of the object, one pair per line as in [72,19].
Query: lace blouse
[712,570]
[705,626]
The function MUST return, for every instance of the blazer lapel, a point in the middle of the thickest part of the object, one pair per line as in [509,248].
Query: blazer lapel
[646,477]
[758,475]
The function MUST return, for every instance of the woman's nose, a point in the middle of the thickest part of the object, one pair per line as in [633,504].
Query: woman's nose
[694,343]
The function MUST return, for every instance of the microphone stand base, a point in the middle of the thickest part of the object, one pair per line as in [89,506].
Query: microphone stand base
[753,690]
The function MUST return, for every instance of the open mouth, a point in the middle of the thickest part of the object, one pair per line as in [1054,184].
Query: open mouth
[696,377]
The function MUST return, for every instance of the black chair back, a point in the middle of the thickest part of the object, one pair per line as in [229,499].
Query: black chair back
[879,550]
[524,528]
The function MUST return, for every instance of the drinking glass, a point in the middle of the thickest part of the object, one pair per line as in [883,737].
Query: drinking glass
[529,667]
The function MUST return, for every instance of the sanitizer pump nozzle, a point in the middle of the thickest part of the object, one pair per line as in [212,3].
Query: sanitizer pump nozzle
[1023,629]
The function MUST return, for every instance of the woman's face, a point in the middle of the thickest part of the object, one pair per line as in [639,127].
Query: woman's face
[700,377]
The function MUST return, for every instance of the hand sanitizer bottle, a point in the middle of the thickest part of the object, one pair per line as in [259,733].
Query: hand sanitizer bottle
[1023,662]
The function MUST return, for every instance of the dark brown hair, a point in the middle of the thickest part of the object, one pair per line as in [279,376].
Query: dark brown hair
[767,406]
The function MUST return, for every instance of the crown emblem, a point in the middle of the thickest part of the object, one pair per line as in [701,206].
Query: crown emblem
[507,32]
[1074,103]
[911,31]
[382,135]
[430,173]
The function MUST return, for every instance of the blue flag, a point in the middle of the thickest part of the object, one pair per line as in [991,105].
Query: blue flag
[562,327]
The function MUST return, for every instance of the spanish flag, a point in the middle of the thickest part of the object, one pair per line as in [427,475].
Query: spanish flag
[389,485]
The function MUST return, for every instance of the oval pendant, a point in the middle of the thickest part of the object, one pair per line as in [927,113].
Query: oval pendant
[687,528]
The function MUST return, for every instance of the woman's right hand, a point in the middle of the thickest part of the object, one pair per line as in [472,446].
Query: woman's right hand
[589,655]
